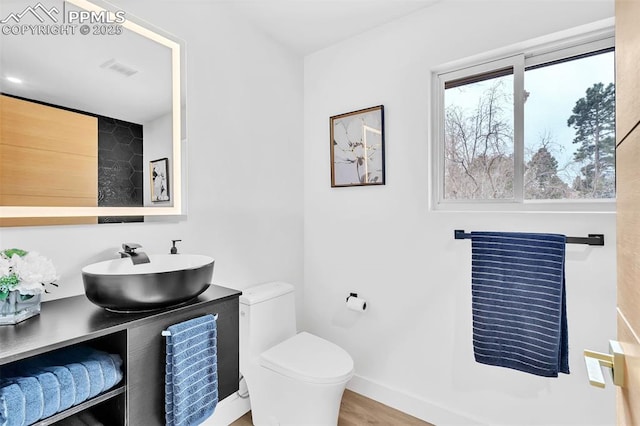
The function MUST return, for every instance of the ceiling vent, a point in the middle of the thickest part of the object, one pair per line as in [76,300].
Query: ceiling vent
[119,67]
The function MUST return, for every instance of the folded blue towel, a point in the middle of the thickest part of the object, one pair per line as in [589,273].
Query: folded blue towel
[110,365]
[80,381]
[38,387]
[33,398]
[96,379]
[67,386]
[50,392]
[519,303]
[191,382]
[49,388]
[101,371]
[12,404]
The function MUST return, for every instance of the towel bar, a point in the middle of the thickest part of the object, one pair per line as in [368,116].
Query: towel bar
[167,333]
[591,239]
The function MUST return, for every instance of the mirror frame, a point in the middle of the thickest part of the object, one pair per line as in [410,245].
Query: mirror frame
[176,175]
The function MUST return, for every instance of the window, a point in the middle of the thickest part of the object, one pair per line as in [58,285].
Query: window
[531,127]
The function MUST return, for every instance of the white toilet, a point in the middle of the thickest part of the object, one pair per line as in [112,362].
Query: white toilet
[293,379]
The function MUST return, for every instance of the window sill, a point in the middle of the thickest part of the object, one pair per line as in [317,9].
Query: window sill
[565,206]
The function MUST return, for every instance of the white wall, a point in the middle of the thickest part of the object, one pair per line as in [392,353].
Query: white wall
[412,347]
[244,111]
[157,144]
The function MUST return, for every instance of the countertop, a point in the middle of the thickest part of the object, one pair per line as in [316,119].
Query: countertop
[63,322]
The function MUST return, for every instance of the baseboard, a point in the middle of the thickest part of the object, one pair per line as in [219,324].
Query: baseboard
[228,411]
[410,404]
[233,407]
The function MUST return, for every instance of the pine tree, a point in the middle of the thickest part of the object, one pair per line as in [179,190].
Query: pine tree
[593,119]
[541,177]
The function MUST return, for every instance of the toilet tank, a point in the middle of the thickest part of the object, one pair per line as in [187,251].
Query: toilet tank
[267,317]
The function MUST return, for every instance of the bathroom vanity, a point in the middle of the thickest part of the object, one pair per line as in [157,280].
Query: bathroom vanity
[139,398]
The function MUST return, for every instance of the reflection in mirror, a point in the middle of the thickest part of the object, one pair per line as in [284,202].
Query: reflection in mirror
[84,114]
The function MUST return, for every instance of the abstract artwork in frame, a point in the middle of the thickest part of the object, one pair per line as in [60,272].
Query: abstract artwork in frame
[159,174]
[357,148]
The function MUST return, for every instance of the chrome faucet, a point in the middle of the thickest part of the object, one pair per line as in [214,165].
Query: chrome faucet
[137,257]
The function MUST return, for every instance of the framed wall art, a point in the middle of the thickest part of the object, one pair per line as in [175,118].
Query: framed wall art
[159,175]
[357,148]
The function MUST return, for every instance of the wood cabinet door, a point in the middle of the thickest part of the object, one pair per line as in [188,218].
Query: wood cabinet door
[146,360]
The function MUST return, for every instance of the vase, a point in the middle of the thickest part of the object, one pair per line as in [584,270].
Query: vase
[17,307]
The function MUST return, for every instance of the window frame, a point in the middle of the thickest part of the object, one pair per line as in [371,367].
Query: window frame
[522,57]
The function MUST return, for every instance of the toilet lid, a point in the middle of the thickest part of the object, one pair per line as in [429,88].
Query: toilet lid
[309,358]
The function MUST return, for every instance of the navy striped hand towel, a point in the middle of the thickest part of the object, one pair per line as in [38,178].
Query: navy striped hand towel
[191,382]
[518,302]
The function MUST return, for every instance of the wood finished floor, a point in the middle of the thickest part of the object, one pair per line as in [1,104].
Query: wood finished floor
[357,410]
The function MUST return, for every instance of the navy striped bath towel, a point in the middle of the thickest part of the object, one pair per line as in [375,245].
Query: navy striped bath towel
[191,382]
[519,303]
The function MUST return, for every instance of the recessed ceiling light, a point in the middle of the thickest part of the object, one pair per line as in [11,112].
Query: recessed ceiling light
[14,80]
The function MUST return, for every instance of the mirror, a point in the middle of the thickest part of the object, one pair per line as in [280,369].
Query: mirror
[82,60]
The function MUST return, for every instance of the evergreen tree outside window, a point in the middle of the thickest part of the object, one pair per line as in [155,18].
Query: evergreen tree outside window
[594,121]
[570,112]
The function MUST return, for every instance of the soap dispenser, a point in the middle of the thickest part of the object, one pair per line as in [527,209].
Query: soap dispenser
[174,249]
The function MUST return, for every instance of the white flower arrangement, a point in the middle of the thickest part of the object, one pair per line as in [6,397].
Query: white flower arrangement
[27,272]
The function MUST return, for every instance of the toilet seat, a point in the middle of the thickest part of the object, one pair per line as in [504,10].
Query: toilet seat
[310,359]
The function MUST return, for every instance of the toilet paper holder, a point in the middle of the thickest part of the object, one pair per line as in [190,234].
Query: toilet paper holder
[356,295]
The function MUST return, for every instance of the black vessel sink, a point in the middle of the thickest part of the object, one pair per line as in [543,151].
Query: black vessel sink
[167,280]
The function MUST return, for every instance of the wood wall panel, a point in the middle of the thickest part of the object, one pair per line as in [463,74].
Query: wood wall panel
[48,157]
[628,226]
[628,411]
[48,174]
[627,69]
[37,200]
[42,221]
[628,204]
[32,125]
